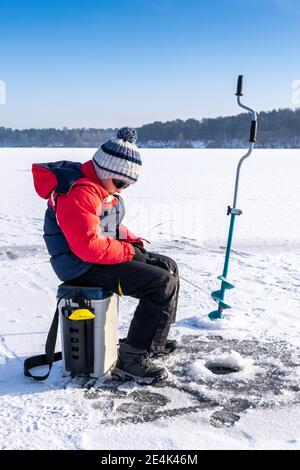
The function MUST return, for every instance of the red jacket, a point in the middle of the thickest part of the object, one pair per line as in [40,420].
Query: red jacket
[79,210]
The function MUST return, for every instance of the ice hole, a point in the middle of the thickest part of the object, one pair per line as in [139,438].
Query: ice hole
[221,370]
[228,363]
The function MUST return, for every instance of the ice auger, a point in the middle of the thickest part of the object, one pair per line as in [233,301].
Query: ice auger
[218,295]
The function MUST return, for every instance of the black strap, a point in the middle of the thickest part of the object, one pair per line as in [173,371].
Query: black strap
[50,356]
[118,218]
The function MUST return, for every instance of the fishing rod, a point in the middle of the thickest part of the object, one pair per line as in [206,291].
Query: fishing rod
[233,211]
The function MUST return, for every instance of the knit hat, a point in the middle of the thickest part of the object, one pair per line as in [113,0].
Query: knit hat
[119,158]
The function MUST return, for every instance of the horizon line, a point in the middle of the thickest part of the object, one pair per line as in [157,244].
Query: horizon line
[147,124]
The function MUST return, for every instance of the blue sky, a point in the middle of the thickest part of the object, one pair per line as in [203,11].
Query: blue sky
[109,63]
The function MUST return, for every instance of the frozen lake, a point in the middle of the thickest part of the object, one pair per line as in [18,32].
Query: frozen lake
[179,204]
[180,193]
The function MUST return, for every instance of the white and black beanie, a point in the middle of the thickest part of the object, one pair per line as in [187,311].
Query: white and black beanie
[119,158]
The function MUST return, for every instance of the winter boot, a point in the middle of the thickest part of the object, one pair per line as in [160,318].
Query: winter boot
[170,346]
[134,364]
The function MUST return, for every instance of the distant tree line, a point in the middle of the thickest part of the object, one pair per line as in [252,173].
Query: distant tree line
[281,126]
[277,128]
[53,137]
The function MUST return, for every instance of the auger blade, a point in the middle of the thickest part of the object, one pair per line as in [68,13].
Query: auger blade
[215,315]
[217,295]
[226,284]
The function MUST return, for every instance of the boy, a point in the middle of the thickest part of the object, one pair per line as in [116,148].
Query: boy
[89,246]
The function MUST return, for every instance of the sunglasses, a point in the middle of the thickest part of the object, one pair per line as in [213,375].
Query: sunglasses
[119,184]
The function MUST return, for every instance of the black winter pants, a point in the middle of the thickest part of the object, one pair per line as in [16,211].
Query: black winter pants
[155,282]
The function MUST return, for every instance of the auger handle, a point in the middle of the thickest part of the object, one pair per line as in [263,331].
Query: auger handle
[253,132]
[252,139]
[239,87]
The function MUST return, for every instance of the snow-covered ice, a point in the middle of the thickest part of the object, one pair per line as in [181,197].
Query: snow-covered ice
[235,383]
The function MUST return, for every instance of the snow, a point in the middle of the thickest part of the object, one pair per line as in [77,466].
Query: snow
[235,383]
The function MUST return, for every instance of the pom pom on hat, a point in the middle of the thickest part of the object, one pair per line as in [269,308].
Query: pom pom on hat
[127,134]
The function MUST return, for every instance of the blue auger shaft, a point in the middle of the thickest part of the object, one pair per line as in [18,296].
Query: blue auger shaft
[218,296]
[229,243]
[228,249]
